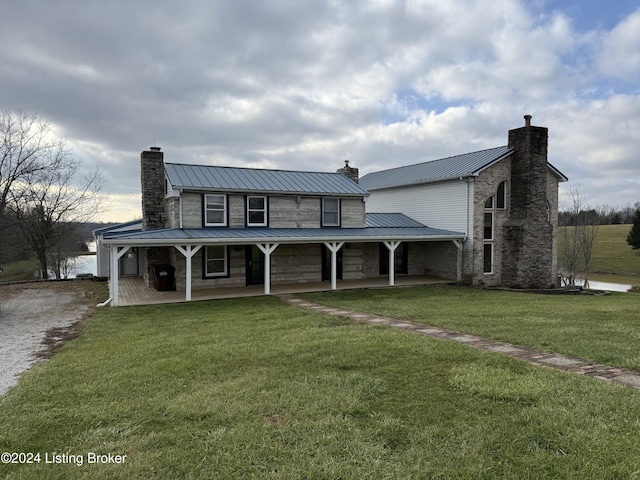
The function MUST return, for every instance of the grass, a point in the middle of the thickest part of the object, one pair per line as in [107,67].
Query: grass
[612,256]
[22,270]
[254,388]
[602,329]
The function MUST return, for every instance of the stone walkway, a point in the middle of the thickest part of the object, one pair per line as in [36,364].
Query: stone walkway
[580,366]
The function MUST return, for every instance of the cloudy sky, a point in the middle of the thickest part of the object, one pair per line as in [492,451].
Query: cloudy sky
[303,85]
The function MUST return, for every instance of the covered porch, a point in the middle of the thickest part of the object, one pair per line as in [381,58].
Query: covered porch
[191,243]
[134,290]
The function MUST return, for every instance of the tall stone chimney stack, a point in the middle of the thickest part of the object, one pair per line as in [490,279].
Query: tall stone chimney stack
[528,247]
[350,172]
[153,188]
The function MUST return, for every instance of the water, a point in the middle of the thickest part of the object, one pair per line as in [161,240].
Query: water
[612,287]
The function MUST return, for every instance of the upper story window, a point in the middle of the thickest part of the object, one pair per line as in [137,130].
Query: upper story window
[501,195]
[256,211]
[489,202]
[330,212]
[215,210]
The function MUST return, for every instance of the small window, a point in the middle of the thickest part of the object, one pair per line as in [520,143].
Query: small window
[257,211]
[489,203]
[501,195]
[215,263]
[330,212]
[215,210]
[488,226]
[488,258]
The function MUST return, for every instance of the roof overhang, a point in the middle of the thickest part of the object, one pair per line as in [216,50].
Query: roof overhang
[171,237]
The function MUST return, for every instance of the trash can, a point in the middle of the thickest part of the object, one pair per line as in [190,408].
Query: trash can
[165,277]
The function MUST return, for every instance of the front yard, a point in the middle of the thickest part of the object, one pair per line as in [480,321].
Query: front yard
[254,388]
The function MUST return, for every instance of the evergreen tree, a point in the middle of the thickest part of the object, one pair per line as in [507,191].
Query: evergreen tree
[633,239]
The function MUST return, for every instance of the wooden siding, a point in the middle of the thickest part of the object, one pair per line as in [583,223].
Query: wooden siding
[294,212]
[352,213]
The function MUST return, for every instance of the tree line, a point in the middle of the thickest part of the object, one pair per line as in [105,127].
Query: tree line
[600,215]
[45,196]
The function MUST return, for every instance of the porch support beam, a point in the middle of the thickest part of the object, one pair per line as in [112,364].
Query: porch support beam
[188,251]
[116,255]
[267,249]
[458,244]
[334,247]
[392,245]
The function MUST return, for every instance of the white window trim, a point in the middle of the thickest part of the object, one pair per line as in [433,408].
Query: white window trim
[264,210]
[489,241]
[324,223]
[225,273]
[224,211]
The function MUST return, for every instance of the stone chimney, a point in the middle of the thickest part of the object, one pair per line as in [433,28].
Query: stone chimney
[350,172]
[528,247]
[152,184]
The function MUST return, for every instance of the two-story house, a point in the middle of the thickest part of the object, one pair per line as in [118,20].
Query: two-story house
[212,226]
[491,216]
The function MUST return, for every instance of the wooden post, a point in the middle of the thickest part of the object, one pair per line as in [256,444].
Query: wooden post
[188,251]
[334,247]
[116,254]
[267,249]
[392,245]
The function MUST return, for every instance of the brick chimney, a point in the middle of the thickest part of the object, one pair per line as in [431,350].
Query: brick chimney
[350,172]
[152,183]
[528,247]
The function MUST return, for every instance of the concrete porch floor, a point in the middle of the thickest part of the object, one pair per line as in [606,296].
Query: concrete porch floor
[134,291]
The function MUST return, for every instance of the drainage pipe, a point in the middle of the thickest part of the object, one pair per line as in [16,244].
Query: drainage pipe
[105,303]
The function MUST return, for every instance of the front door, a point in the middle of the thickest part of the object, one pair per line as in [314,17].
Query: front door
[255,265]
[326,264]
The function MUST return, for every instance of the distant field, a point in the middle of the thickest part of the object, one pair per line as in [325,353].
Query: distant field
[612,255]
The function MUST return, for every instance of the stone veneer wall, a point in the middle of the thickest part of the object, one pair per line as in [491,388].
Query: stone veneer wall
[486,185]
[528,248]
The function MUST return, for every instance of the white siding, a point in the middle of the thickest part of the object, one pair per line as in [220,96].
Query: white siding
[438,205]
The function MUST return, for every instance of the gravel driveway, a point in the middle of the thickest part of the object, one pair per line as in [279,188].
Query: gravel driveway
[35,319]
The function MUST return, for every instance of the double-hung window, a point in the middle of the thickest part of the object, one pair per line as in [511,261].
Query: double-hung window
[216,261]
[215,210]
[330,212]
[256,211]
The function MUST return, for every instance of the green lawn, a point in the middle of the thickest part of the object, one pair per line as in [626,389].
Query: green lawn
[254,388]
[19,271]
[603,329]
[612,256]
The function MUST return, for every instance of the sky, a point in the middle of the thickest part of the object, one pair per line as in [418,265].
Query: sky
[299,85]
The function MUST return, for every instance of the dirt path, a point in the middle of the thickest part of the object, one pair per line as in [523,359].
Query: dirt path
[35,319]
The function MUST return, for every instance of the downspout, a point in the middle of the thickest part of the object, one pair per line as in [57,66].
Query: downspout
[105,303]
[180,209]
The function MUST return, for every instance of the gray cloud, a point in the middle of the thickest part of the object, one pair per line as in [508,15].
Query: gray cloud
[302,85]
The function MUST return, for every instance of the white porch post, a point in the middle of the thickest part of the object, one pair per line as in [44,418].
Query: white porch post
[334,247]
[392,245]
[116,254]
[267,249]
[458,244]
[188,251]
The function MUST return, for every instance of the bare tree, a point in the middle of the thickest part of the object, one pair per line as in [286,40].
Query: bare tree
[577,238]
[27,147]
[51,205]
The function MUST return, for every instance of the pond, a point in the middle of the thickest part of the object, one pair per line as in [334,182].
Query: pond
[610,286]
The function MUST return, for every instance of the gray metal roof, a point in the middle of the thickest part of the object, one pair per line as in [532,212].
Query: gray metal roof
[173,236]
[466,165]
[390,220]
[232,179]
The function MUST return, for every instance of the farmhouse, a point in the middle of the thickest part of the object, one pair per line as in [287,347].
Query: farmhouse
[486,218]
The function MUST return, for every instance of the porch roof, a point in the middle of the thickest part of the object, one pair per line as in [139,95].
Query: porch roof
[239,236]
